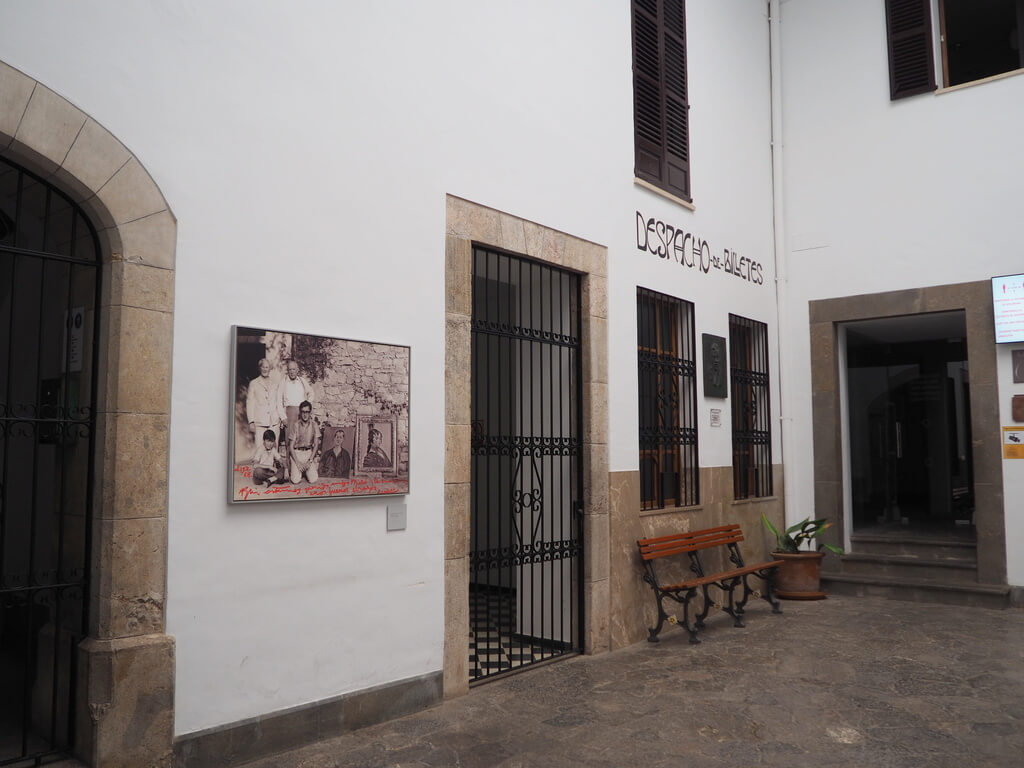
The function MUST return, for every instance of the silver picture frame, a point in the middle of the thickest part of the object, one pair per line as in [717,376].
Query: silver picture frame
[316,417]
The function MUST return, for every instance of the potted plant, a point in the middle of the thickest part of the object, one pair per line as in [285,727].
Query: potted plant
[799,576]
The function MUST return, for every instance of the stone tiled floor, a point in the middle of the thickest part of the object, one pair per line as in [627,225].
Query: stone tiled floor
[843,682]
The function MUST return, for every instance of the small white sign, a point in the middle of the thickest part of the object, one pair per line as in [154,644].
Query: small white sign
[1013,436]
[716,417]
[396,517]
[74,339]
[1013,443]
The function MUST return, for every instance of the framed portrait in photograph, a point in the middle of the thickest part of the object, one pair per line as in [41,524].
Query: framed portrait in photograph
[375,445]
[316,417]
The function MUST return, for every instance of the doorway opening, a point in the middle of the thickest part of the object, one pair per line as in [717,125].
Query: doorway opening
[908,399]
[526,544]
[49,289]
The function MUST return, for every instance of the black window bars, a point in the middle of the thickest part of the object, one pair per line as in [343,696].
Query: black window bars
[669,470]
[751,408]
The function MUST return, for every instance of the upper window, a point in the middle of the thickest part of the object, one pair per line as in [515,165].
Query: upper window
[973,39]
[669,472]
[751,412]
[661,134]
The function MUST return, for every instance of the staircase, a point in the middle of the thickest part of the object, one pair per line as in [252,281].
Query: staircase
[934,566]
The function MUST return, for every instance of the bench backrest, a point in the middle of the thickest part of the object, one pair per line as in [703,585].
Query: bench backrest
[678,543]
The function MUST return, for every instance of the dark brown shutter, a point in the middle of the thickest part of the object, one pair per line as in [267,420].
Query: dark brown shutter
[911,68]
[660,107]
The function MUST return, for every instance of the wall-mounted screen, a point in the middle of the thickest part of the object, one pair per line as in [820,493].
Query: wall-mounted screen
[1008,308]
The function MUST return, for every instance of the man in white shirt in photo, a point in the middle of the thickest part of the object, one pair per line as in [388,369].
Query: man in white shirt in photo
[291,393]
[260,407]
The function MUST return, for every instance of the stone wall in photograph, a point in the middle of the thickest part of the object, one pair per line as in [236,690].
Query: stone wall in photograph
[361,379]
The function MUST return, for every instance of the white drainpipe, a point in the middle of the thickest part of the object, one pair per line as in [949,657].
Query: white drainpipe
[789,463]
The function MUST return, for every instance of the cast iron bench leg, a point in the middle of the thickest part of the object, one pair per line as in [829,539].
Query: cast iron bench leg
[769,592]
[692,629]
[707,607]
[652,633]
[741,606]
[730,607]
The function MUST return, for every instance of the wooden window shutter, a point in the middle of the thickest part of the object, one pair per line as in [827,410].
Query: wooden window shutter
[660,105]
[911,66]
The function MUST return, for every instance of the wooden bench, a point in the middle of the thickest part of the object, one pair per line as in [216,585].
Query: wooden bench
[726,537]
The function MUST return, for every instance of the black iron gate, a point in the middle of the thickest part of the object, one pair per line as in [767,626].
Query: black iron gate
[526,542]
[49,284]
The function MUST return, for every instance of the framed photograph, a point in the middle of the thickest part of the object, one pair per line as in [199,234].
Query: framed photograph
[316,417]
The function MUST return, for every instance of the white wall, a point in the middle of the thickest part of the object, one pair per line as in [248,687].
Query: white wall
[730,157]
[1013,469]
[323,137]
[882,195]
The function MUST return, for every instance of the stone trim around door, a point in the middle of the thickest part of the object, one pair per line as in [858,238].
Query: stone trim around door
[125,706]
[468,223]
[975,300]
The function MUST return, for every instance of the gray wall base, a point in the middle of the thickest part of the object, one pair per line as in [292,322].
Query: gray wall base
[1017,597]
[270,734]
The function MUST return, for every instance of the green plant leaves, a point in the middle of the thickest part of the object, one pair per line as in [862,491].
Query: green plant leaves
[804,531]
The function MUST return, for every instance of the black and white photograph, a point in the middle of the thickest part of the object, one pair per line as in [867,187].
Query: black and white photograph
[317,416]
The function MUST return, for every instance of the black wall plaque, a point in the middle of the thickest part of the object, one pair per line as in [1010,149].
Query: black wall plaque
[716,366]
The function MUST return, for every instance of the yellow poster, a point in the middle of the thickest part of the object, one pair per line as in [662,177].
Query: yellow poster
[1013,442]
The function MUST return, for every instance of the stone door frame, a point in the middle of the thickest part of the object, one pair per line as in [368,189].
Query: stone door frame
[125,690]
[975,300]
[468,223]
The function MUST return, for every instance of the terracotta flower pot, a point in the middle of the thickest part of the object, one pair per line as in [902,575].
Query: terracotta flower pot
[799,576]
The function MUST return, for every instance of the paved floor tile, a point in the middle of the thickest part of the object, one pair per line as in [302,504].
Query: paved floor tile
[838,683]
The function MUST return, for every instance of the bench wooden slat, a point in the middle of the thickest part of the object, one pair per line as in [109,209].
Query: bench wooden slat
[704,542]
[711,579]
[700,541]
[663,546]
[686,534]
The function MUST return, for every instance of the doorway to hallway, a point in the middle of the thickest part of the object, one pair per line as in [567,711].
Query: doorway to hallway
[908,400]
[526,545]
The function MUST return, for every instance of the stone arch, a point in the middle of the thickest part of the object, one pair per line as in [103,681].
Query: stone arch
[125,692]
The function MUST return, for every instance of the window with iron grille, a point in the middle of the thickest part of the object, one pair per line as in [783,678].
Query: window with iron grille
[669,473]
[661,130]
[751,408]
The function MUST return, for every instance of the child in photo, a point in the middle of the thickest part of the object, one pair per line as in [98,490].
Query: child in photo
[267,464]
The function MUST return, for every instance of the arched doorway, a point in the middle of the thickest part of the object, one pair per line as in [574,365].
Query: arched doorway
[49,294]
[124,667]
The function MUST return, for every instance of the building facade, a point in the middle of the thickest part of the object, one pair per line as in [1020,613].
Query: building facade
[657,266]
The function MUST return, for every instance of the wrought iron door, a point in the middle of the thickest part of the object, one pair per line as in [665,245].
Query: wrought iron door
[49,283]
[526,543]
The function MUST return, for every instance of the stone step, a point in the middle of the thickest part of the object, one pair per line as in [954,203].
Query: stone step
[995,596]
[929,546]
[957,570]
